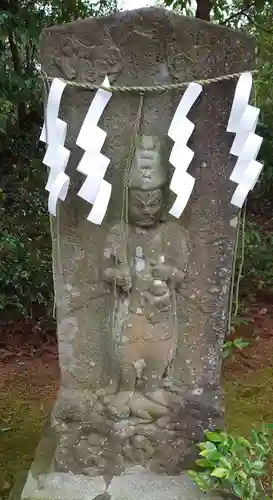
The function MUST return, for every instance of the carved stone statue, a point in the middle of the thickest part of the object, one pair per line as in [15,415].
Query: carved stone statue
[145,261]
[145,264]
[142,300]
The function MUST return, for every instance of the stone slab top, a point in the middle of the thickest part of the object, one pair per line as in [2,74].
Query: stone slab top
[84,50]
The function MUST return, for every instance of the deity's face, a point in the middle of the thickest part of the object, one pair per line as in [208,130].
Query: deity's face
[146,181]
[145,207]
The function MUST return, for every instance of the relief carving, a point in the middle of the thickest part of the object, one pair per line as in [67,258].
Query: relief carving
[144,414]
[145,261]
[90,63]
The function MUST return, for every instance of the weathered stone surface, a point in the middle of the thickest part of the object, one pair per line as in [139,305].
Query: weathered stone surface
[67,486]
[134,484]
[142,300]
[146,486]
[143,47]
[54,495]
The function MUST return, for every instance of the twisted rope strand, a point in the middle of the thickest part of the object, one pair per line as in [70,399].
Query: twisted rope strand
[129,160]
[148,88]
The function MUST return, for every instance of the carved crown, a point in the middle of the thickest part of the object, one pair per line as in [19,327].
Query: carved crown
[147,170]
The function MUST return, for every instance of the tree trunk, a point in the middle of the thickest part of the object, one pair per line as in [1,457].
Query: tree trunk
[203,9]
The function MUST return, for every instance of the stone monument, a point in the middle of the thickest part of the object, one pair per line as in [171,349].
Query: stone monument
[143,299]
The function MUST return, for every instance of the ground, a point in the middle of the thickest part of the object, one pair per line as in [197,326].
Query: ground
[29,379]
[248,375]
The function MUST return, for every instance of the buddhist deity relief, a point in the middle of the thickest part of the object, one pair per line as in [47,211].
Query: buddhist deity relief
[145,261]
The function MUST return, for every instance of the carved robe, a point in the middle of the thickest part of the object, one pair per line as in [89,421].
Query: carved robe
[144,316]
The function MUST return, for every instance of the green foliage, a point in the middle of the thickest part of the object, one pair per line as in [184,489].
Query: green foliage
[25,244]
[186,6]
[221,10]
[230,346]
[234,464]
[21,22]
[258,262]
[25,268]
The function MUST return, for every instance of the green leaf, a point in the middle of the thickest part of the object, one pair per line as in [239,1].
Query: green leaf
[258,464]
[225,462]
[228,343]
[259,448]
[207,446]
[242,474]
[211,454]
[204,481]
[258,473]
[219,472]
[202,462]
[240,344]
[269,426]
[255,436]
[238,490]
[215,437]
[252,484]
[193,474]
[244,442]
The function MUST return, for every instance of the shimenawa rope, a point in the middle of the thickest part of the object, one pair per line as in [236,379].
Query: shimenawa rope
[147,88]
[158,88]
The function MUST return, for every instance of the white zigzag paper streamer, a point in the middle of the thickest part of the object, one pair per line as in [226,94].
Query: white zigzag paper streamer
[56,156]
[180,130]
[94,164]
[246,145]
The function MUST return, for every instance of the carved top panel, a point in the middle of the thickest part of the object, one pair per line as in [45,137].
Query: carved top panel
[142,42]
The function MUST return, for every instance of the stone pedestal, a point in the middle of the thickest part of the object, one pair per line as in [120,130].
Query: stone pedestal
[142,306]
[135,484]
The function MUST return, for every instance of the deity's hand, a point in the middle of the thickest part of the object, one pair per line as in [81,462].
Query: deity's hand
[158,295]
[161,272]
[120,276]
[167,273]
[159,288]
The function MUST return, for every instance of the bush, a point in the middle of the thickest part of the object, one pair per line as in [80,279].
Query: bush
[234,465]
[258,262]
[25,245]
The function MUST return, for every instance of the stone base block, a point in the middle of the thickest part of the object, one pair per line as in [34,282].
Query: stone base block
[143,485]
[51,494]
[63,486]
[136,484]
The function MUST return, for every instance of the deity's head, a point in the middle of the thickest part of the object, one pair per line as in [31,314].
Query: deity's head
[146,183]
